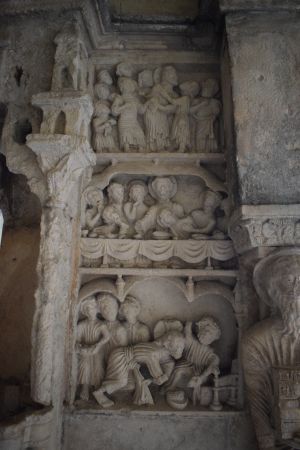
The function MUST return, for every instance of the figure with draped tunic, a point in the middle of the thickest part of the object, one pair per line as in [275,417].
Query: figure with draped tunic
[158,356]
[109,309]
[127,107]
[92,336]
[158,110]
[206,112]
[199,360]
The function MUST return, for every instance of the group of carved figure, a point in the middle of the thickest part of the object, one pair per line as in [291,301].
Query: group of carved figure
[114,348]
[154,113]
[149,212]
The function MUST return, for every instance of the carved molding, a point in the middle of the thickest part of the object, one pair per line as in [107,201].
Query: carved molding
[265,226]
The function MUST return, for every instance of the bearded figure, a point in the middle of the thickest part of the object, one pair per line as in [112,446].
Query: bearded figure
[273,344]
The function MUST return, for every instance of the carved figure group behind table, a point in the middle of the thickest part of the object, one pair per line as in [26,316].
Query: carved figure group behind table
[274,342]
[165,219]
[154,114]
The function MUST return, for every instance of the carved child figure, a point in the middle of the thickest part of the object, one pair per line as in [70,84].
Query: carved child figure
[103,78]
[157,356]
[199,360]
[92,335]
[103,140]
[206,113]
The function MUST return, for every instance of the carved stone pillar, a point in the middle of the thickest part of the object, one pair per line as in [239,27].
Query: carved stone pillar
[63,160]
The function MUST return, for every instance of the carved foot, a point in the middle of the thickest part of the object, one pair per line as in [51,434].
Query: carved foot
[84,393]
[104,401]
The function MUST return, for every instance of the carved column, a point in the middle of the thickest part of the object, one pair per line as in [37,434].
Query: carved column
[261,59]
[63,160]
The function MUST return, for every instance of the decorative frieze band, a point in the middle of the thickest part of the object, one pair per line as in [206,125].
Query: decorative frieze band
[264,226]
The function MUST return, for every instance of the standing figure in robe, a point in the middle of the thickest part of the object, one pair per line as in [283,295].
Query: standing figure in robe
[127,107]
[181,131]
[158,110]
[109,309]
[92,336]
[205,113]
[199,360]
[136,331]
[157,356]
[273,342]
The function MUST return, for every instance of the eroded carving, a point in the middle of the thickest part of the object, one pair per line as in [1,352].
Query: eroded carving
[151,212]
[271,348]
[155,112]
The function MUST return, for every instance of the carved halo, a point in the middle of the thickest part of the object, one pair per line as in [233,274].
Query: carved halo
[153,189]
[264,268]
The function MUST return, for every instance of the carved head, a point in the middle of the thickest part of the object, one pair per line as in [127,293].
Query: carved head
[277,282]
[137,191]
[145,78]
[103,76]
[210,88]
[211,200]
[116,193]
[189,88]
[174,342]
[127,85]
[169,75]
[124,70]
[208,330]
[130,309]
[94,196]
[102,91]
[109,307]
[89,307]
[163,188]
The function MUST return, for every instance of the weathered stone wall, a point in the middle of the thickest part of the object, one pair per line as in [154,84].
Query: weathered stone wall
[18,281]
[265,58]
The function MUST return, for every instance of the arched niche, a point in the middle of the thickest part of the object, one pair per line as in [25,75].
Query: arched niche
[163,298]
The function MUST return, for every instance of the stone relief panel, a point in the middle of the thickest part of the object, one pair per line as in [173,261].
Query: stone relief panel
[271,352]
[145,220]
[152,111]
[127,354]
